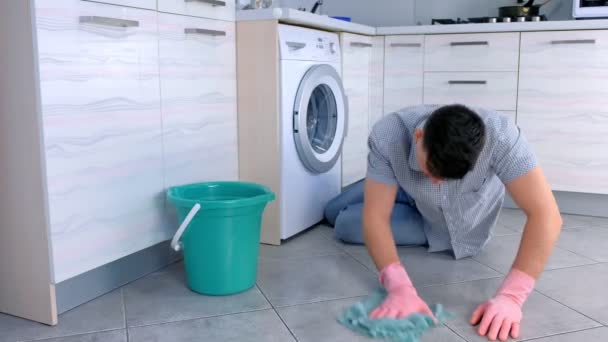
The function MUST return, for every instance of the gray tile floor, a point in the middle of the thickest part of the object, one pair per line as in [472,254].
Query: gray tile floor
[304,284]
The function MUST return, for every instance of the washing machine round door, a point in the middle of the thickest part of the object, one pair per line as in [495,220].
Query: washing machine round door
[320,118]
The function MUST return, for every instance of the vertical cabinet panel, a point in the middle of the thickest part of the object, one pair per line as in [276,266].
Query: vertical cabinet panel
[198,87]
[102,131]
[376,82]
[356,54]
[403,72]
[562,106]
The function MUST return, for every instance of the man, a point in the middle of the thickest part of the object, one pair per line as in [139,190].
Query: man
[437,176]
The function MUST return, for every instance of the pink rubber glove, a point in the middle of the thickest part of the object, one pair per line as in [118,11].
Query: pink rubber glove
[502,314]
[402,299]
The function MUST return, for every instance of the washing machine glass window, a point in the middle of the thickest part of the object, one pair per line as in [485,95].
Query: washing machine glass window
[321,118]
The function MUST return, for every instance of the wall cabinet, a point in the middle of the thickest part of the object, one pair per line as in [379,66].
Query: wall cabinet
[403,72]
[562,106]
[356,57]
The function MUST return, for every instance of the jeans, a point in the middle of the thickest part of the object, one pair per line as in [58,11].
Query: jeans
[345,213]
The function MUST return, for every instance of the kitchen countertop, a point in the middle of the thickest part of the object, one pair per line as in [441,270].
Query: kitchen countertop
[556,25]
[293,16]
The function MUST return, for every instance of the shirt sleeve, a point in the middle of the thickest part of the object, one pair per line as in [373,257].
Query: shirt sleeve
[378,165]
[513,157]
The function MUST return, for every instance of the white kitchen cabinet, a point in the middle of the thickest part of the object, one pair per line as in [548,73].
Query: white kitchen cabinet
[92,148]
[199,116]
[562,106]
[403,72]
[212,9]
[102,131]
[491,90]
[145,4]
[356,56]
[472,52]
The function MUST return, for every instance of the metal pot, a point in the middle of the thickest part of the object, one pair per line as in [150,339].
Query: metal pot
[526,10]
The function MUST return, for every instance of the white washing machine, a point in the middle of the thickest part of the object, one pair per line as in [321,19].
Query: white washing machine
[313,125]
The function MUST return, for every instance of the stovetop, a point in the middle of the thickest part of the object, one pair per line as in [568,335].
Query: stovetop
[481,20]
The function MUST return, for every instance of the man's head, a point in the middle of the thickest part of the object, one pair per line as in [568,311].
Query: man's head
[450,143]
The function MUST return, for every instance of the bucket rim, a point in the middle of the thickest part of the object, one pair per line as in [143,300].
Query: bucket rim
[266,195]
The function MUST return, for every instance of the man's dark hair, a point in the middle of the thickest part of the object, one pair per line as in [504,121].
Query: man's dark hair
[454,136]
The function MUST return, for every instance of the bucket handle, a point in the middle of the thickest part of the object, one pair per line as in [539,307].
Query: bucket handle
[175,243]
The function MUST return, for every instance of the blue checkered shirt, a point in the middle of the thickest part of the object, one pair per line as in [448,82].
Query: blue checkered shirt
[458,214]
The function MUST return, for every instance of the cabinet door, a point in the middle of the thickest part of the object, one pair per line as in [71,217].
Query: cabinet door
[562,106]
[102,131]
[356,54]
[403,72]
[198,87]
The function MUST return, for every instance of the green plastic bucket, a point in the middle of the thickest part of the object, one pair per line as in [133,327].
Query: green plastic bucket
[219,234]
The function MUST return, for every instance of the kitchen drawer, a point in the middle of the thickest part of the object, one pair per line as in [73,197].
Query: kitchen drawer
[101,122]
[492,90]
[145,4]
[472,52]
[561,51]
[198,93]
[403,72]
[213,9]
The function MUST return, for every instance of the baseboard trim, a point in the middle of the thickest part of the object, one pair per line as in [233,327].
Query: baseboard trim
[92,284]
[575,203]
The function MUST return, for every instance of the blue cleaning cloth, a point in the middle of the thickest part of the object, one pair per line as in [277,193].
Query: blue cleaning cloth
[408,329]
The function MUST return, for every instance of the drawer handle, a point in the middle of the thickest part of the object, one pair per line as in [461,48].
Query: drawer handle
[295,45]
[481,42]
[573,41]
[406,45]
[210,2]
[204,32]
[467,82]
[108,21]
[359,44]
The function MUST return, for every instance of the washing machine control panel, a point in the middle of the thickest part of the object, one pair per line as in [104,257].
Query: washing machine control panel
[307,44]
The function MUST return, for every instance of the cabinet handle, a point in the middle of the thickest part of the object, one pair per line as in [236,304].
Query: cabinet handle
[467,82]
[296,45]
[573,41]
[406,45]
[359,44]
[108,21]
[481,42]
[204,31]
[210,2]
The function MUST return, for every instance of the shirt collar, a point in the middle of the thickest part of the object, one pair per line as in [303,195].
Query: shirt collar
[413,159]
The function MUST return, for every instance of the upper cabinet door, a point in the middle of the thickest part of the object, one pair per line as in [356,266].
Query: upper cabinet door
[213,9]
[562,106]
[146,4]
[198,87]
[102,131]
[472,52]
[356,57]
[403,72]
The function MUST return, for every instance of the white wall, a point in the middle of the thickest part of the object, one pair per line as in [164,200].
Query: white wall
[412,12]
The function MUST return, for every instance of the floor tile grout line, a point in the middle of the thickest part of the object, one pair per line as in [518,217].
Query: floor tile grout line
[70,335]
[124,311]
[567,306]
[277,313]
[559,334]
[196,318]
[320,301]
[455,332]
